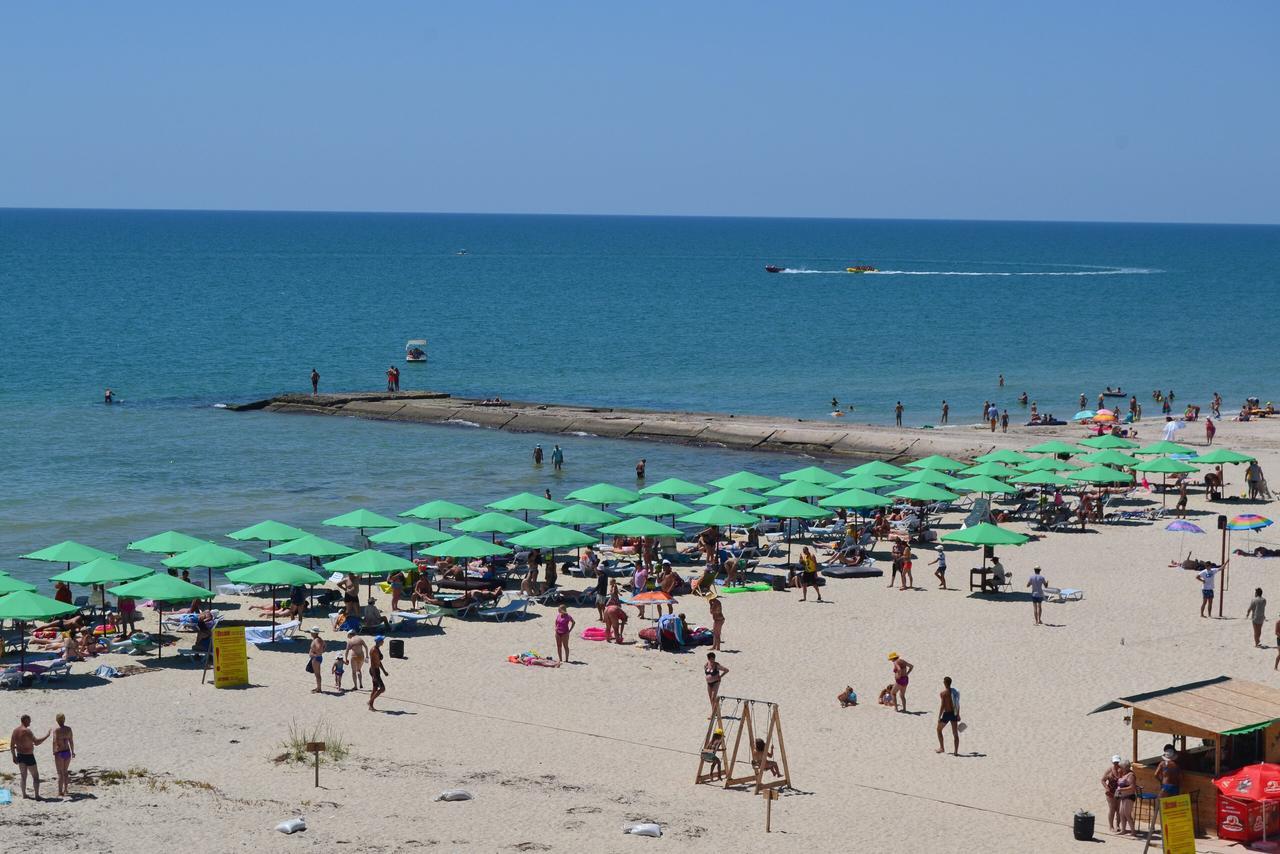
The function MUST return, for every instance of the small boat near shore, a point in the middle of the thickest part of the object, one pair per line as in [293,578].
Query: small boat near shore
[770,268]
[861,268]
[1115,393]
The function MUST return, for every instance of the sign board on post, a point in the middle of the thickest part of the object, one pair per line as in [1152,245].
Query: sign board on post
[1177,826]
[230,657]
[315,748]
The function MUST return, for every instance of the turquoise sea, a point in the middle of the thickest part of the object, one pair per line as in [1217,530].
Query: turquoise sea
[180,311]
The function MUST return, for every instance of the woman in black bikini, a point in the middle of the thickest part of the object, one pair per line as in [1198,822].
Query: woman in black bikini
[64,750]
[714,672]
[1127,795]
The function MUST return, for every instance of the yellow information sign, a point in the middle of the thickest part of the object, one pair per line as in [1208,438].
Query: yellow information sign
[1177,827]
[230,657]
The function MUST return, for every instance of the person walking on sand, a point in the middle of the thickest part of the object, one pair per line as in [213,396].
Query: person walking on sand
[1210,430]
[907,580]
[901,676]
[717,621]
[897,414]
[557,458]
[315,382]
[1037,584]
[714,672]
[993,416]
[64,750]
[1257,614]
[808,574]
[22,750]
[946,411]
[1205,576]
[1004,421]
[949,713]
[564,625]
[317,658]
[339,668]
[354,656]
[941,572]
[376,671]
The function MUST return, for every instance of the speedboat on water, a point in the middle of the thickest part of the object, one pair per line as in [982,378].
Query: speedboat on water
[861,268]
[770,268]
[415,350]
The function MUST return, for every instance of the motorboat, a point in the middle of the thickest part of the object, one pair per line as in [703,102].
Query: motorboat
[415,350]
[770,268]
[861,268]
[1116,393]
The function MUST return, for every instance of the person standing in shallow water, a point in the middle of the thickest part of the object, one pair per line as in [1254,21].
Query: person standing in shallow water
[640,470]
[946,411]
[315,382]
[897,414]
[537,455]
[557,458]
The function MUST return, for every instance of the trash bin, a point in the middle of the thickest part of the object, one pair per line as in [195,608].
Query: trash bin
[397,648]
[1084,826]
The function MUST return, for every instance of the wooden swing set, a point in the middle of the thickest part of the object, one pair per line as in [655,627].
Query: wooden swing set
[744,719]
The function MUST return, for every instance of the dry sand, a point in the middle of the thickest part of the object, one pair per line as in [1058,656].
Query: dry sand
[560,759]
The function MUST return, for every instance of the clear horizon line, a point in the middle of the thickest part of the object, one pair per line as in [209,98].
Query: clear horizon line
[370,212]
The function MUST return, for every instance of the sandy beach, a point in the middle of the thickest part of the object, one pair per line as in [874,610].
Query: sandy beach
[561,759]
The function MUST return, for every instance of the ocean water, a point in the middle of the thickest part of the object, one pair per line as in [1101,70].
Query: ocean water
[181,311]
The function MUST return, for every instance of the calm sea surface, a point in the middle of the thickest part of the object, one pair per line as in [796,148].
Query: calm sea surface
[178,312]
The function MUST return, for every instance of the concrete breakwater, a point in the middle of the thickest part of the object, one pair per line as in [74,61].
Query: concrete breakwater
[833,438]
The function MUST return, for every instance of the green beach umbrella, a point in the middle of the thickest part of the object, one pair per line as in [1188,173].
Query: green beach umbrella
[811,474]
[167,543]
[641,526]
[655,506]
[9,584]
[493,523]
[989,469]
[1109,457]
[68,552]
[466,546]
[1049,464]
[855,499]
[440,510]
[986,534]
[674,486]
[1164,466]
[800,489]
[878,467]
[1054,447]
[937,462]
[732,498]
[1100,474]
[211,556]
[552,537]
[409,534]
[924,492]
[161,587]
[1222,456]
[312,547]
[1164,447]
[579,514]
[938,478]
[744,480]
[720,516]
[983,484]
[369,563]
[268,531]
[864,481]
[275,573]
[1107,441]
[525,501]
[360,519]
[603,493]
[23,606]
[791,508]
[1003,455]
[1041,478]
[104,570]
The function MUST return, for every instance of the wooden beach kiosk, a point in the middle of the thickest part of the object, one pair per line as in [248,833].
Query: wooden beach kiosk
[1217,726]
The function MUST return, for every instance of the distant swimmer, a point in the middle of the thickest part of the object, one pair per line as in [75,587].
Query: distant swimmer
[1002,381]
[315,382]
[1084,401]
[1022,399]
[835,404]
[108,398]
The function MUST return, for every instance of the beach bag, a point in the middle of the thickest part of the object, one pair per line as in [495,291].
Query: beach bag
[310,665]
[293,825]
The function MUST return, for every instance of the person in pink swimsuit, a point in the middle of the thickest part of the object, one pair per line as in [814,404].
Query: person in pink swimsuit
[564,625]
[901,676]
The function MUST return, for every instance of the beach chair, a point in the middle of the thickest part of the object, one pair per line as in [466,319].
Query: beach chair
[442,611]
[1064,594]
[240,589]
[980,512]
[258,636]
[504,612]
[412,620]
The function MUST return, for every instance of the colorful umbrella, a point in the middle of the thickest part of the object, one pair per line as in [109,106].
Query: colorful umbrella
[1182,526]
[1083,415]
[1260,782]
[1248,522]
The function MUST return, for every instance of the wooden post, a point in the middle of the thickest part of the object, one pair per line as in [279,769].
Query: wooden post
[770,795]
[316,748]
[1222,582]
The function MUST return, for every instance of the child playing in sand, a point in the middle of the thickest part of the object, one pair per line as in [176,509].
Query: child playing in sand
[339,668]
[847,697]
[711,753]
[886,696]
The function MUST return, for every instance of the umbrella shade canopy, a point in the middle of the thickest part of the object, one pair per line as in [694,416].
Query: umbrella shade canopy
[440,510]
[579,514]
[937,462]
[989,469]
[1083,415]
[1248,522]
[720,516]
[924,492]
[986,534]
[554,537]
[269,531]
[370,562]
[162,587]
[790,508]
[525,501]
[104,570]
[68,551]
[604,493]
[674,486]
[855,499]
[1106,440]
[811,474]
[1049,464]
[655,506]
[1260,782]
[493,523]
[409,534]
[879,467]
[1221,456]
[1003,455]
[1041,478]
[926,476]
[13,585]
[361,519]
[744,480]
[1100,474]
[1165,447]
[800,489]
[981,483]
[1053,446]
[210,556]
[275,573]
[1165,465]
[168,543]
[1109,457]
[26,605]
[311,546]
[467,546]
[732,498]
[643,527]
[1182,526]
[863,481]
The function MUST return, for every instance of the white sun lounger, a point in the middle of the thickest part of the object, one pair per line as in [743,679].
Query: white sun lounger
[503,612]
[1065,594]
[284,631]
[413,619]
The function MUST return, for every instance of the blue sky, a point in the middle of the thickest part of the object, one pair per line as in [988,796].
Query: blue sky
[1155,111]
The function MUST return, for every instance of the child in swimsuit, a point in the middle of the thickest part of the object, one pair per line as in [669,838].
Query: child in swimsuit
[339,668]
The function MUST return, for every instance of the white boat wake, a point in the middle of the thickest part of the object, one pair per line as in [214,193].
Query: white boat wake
[1107,271]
